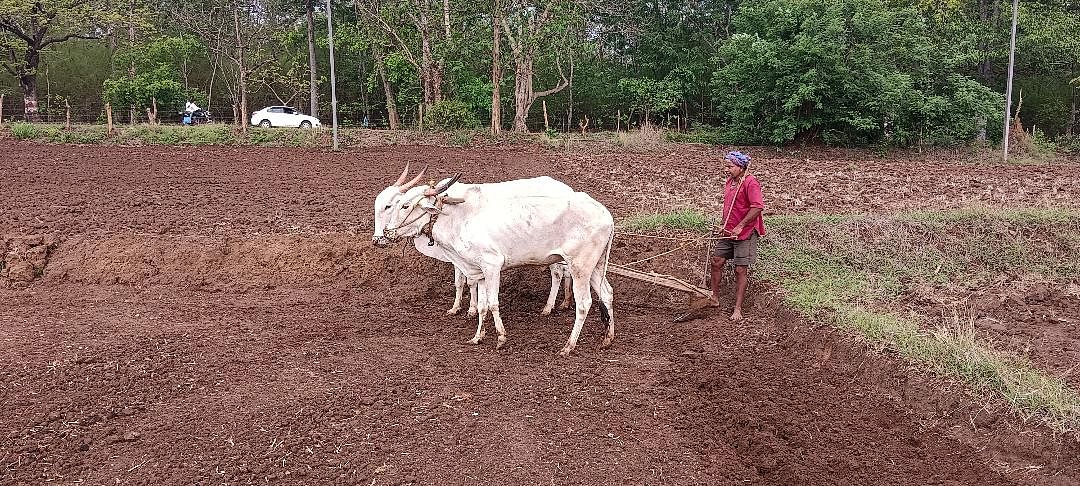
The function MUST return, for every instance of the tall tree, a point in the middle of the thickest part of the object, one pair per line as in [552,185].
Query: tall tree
[407,24]
[532,28]
[29,27]
[496,70]
[245,32]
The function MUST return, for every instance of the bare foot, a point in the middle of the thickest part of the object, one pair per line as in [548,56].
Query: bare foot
[736,316]
[714,302]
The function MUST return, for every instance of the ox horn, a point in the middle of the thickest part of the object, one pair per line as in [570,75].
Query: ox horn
[442,187]
[413,182]
[404,174]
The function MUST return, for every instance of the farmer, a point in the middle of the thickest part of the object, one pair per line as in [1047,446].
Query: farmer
[741,225]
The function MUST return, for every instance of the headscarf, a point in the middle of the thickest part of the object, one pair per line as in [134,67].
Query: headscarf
[738,158]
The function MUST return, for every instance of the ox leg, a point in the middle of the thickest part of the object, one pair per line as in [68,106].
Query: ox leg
[556,279]
[566,281]
[583,298]
[459,289]
[607,315]
[480,292]
[472,300]
[491,291]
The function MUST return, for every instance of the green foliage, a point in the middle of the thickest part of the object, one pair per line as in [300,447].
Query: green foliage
[648,96]
[158,65]
[852,72]
[210,134]
[701,134]
[451,115]
[679,220]
[24,131]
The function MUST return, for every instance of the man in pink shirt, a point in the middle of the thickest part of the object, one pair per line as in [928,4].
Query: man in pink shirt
[741,225]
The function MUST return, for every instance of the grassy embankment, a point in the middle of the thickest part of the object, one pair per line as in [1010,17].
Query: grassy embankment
[845,270]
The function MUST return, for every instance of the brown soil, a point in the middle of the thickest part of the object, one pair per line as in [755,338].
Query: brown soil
[1037,320]
[217,315]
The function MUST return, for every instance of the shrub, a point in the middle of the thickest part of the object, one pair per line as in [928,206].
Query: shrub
[850,73]
[451,115]
[24,131]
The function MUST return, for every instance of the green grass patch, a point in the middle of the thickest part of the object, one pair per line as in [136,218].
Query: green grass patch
[843,269]
[678,220]
[24,131]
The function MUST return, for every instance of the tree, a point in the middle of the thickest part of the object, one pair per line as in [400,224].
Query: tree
[530,27]
[850,72]
[248,33]
[158,82]
[29,27]
[408,23]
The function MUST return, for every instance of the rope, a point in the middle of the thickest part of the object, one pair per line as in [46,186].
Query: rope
[673,238]
[658,255]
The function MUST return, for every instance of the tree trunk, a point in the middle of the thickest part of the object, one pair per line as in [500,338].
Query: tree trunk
[391,105]
[496,74]
[28,82]
[242,68]
[1069,130]
[523,93]
[131,44]
[312,73]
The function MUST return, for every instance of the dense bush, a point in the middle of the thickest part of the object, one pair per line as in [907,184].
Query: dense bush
[850,72]
[451,115]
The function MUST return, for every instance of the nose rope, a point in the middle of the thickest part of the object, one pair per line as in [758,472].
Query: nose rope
[391,232]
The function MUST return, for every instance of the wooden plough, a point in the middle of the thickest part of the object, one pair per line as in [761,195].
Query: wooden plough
[702,296]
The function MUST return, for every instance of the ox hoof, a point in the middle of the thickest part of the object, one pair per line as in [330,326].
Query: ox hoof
[501,343]
[564,306]
[607,342]
[545,312]
[476,340]
[471,313]
[566,350]
[453,312]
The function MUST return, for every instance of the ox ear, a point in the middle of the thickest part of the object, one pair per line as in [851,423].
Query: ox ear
[452,200]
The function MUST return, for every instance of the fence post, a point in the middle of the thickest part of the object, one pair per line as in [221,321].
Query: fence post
[1,108]
[67,115]
[108,117]
[546,128]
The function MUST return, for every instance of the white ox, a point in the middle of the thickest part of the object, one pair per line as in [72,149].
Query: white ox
[559,275]
[484,230]
[559,272]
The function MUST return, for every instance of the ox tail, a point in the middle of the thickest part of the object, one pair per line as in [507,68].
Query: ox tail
[605,313]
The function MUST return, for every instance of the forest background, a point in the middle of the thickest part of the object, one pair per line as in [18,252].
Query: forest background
[892,73]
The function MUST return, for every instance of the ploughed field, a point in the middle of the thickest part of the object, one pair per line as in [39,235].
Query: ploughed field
[218,315]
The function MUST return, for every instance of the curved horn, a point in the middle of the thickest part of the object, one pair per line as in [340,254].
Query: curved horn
[404,174]
[413,182]
[443,187]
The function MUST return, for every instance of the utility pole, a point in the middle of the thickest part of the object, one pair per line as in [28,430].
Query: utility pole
[333,82]
[1008,84]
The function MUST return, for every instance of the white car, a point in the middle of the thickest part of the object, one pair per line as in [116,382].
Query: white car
[283,116]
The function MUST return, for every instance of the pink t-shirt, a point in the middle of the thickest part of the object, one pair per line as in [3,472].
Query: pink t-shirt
[738,199]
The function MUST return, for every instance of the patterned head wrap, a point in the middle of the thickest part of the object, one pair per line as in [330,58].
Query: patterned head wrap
[738,158]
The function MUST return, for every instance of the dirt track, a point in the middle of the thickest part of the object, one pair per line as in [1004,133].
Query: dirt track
[216,315]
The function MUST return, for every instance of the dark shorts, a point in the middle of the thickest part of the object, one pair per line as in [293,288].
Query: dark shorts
[742,253]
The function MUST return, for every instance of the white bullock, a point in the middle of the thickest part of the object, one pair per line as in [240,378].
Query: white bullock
[484,230]
[559,275]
